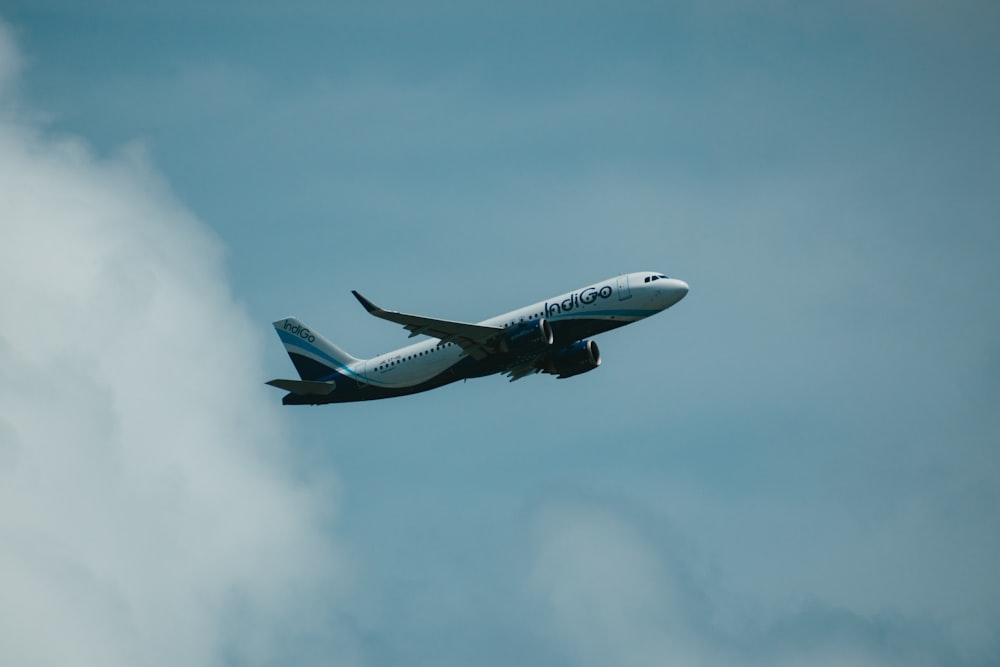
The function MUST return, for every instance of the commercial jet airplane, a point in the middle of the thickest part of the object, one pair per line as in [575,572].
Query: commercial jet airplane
[551,336]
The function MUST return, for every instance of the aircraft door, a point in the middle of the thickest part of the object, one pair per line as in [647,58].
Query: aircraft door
[624,290]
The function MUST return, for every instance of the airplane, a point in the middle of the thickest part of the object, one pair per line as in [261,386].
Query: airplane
[551,336]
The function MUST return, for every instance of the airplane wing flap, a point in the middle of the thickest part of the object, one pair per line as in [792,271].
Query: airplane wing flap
[524,370]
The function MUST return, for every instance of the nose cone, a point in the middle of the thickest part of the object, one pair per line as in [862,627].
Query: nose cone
[675,290]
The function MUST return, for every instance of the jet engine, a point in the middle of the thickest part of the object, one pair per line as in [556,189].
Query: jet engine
[579,357]
[527,337]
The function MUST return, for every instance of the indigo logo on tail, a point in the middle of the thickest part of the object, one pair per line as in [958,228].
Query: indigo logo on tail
[300,331]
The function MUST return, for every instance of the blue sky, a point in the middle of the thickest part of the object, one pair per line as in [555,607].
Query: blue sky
[796,465]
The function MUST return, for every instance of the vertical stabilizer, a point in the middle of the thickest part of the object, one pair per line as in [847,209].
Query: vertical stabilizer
[315,358]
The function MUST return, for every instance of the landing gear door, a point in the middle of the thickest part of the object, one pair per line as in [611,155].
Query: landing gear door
[624,291]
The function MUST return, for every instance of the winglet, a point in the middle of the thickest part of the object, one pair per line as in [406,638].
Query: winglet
[369,306]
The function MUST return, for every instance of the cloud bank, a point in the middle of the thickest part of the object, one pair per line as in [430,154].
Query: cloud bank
[150,511]
[613,589]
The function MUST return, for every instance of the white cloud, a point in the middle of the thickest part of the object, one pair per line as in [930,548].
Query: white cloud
[149,509]
[609,596]
[616,587]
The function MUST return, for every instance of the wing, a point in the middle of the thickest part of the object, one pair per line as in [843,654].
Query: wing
[475,339]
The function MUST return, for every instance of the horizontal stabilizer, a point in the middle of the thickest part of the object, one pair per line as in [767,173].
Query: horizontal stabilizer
[304,387]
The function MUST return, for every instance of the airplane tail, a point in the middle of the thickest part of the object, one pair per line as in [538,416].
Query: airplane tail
[315,358]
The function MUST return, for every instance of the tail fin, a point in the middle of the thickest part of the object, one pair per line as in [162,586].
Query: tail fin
[315,358]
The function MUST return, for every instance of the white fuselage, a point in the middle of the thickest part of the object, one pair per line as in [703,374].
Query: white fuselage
[551,336]
[606,305]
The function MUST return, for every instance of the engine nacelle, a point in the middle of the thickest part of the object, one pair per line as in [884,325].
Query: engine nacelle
[579,357]
[527,337]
